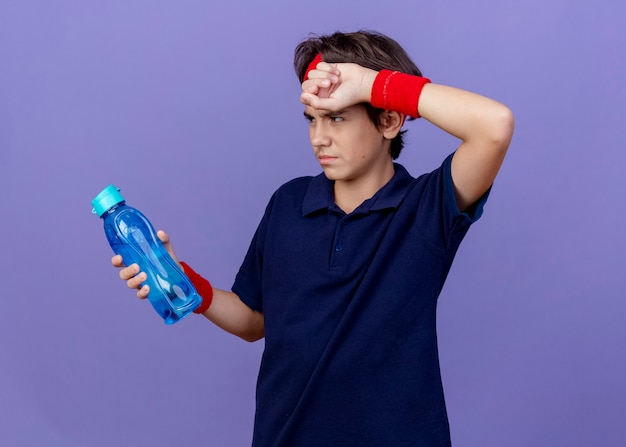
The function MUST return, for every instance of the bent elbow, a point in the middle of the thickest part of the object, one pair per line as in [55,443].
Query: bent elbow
[503,126]
[252,336]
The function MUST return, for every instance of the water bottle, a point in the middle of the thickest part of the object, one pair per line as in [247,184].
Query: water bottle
[131,235]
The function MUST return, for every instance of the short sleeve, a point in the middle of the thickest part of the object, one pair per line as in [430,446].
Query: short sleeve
[475,211]
[438,216]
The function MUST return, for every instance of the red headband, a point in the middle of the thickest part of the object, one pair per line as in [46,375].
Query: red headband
[312,65]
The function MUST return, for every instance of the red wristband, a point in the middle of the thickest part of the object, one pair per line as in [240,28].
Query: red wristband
[400,92]
[203,287]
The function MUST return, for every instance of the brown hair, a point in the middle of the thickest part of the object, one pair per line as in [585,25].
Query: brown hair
[366,48]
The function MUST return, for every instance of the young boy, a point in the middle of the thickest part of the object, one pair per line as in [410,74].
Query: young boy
[343,273]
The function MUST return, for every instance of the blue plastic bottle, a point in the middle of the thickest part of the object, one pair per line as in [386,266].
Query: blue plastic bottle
[131,235]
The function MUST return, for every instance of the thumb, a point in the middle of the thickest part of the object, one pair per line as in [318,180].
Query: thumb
[165,239]
[322,103]
[315,101]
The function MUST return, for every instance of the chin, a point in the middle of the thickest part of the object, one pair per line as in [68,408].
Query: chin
[330,175]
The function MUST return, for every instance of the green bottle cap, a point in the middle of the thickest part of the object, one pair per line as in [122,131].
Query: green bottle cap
[107,199]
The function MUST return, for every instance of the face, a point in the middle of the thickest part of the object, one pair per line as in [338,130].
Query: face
[347,145]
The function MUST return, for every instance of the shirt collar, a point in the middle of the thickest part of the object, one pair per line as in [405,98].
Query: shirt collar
[319,194]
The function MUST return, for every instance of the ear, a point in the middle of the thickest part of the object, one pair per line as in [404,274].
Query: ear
[390,123]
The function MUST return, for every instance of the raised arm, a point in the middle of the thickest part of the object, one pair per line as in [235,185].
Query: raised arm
[484,126]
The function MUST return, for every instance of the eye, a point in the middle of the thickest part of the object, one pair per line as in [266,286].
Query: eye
[309,119]
[336,119]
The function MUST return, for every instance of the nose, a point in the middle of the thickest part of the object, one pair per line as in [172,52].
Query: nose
[319,134]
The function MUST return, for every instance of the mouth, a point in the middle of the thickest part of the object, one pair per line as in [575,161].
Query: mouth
[325,159]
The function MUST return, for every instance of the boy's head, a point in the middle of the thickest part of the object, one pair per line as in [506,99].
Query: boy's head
[366,48]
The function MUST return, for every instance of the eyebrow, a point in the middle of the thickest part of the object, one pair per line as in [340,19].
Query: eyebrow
[327,114]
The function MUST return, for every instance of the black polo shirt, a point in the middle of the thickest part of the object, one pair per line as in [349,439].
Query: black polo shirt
[349,302]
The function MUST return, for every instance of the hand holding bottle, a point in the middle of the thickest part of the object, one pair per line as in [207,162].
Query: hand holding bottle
[132,274]
[152,266]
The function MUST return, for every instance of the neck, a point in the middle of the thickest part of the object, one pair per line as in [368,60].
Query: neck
[349,194]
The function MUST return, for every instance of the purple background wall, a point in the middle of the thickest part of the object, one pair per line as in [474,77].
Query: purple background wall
[191,107]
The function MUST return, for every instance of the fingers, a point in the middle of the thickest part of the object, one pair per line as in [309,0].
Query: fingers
[129,272]
[337,86]
[165,239]
[135,283]
[324,68]
[134,279]
[163,236]
[133,275]
[322,81]
[315,89]
[143,292]
[313,85]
